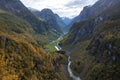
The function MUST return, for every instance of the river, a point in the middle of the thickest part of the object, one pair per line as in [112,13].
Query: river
[58,48]
[70,70]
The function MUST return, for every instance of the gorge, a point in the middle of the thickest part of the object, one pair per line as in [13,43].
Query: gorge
[42,45]
[68,66]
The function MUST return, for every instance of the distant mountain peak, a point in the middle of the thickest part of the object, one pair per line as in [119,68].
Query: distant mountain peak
[66,20]
[50,17]
[47,10]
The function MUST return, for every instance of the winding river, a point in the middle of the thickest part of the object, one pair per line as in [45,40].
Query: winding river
[70,70]
[68,66]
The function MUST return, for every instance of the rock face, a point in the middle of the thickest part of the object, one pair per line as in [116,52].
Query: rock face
[61,23]
[21,54]
[51,18]
[18,9]
[39,26]
[91,16]
[94,41]
[22,34]
[91,11]
[66,20]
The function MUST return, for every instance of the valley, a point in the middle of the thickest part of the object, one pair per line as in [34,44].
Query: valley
[70,70]
[44,45]
[58,48]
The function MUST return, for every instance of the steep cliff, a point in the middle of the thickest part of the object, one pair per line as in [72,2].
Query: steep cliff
[94,42]
[92,11]
[51,18]
[20,56]
[40,27]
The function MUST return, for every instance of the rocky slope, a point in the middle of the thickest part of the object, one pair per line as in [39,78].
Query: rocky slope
[66,20]
[94,42]
[86,26]
[39,26]
[61,23]
[21,54]
[51,18]
[91,11]
[18,9]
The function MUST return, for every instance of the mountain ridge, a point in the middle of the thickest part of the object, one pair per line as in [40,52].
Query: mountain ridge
[22,56]
[40,27]
[91,11]
[93,42]
[51,18]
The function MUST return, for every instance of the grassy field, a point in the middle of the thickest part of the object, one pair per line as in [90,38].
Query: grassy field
[50,47]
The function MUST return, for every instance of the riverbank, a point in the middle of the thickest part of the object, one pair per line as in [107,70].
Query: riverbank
[51,48]
[64,73]
[70,70]
[58,48]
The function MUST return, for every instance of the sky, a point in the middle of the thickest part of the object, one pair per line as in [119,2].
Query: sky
[64,8]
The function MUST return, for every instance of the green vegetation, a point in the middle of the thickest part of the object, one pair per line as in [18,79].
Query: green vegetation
[21,60]
[50,47]
[97,58]
[21,57]
[96,55]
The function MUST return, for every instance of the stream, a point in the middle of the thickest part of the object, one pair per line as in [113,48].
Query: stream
[70,70]
[58,48]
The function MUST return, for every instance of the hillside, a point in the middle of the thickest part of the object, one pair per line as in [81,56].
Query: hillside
[18,9]
[91,11]
[94,42]
[51,18]
[40,27]
[61,23]
[66,20]
[20,57]
[33,47]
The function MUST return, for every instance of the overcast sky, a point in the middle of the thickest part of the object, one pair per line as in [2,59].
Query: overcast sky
[64,8]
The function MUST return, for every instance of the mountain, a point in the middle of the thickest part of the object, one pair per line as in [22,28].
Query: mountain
[49,17]
[22,56]
[18,9]
[40,27]
[60,23]
[95,16]
[91,11]
[32,9]
[93,41]
[66,20]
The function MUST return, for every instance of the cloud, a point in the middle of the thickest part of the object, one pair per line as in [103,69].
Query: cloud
[76,3]
[80,3]
[64,8]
